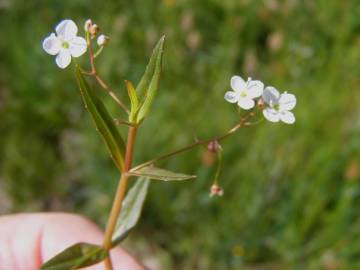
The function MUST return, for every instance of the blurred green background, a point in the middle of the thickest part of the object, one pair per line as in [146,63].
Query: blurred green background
[292,194]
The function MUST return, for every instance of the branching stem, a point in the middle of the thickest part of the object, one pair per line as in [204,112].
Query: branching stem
[101,82]
[242,123]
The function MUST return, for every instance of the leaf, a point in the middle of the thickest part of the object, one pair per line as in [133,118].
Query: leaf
[131,209]
[76,256]
[160,174]
[149,83]
[133,99]
[146,78]
[103,121]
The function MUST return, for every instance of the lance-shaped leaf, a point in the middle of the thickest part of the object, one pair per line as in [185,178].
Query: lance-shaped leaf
[75,257]
[149,83]
[103,121]
[131,210]
[160,174]
[133,100]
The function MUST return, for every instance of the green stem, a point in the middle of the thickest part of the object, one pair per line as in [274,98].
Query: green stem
[120,195]
[101,82]
[242,123]
[219,163]
[98,51]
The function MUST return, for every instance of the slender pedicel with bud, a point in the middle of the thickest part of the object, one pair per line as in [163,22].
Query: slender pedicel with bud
[250,95]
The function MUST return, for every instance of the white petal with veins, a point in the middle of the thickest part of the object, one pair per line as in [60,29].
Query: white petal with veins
[287,117]
[287,101]
[77,46]
[51,44]
[237,83]
[271,114]
[63,59]
[271,95]
[246,103]
[231,96]
[255,89]
[67,29]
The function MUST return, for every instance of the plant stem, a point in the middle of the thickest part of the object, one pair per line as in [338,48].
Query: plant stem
[120,195]
[219,164]
[243,122]
[98,52]
[111,92]
[102,83]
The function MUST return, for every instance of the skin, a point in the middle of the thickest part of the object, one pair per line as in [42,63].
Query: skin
[28,240]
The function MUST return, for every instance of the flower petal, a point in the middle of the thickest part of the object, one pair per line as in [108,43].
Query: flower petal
[271,114]
[231,96]
[63,59]
[287,101]
[51,44]
[67,29]
[237,83]
[271,95]
[287,117]
[77,46]
[255,89]
[246,103]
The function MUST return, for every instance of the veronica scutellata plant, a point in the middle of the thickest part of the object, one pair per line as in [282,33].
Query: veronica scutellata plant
[249,95]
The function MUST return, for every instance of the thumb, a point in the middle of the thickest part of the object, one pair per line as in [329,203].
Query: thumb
[29,240]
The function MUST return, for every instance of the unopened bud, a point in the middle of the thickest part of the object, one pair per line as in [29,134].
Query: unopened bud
[261,103]
[213,146]
[87,25]
[216,190]
[102,40]
[94,29]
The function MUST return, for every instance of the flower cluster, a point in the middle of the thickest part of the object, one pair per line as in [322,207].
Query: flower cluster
[277,106]
[66,44]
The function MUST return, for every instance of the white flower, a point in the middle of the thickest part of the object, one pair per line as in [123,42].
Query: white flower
[243,92]
[102,40]
[87,25]
[279,106]
[65,44]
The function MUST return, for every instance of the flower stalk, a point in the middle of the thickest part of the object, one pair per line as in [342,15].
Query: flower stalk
[242,123]
[96,75]
[120,194]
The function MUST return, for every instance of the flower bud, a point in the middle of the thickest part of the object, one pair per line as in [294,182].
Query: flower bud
[213,146]
[261,103]
[94,29]
[216,190]
[102,40]
[87,25]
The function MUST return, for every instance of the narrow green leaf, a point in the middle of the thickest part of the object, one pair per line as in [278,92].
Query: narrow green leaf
[76,256]
[133,99]
[160,174]
[131,210]
[103,121]
[143,85]
[149,83]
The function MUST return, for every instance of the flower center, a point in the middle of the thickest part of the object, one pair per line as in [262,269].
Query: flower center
[243,94]
[277,107]
[65,45]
